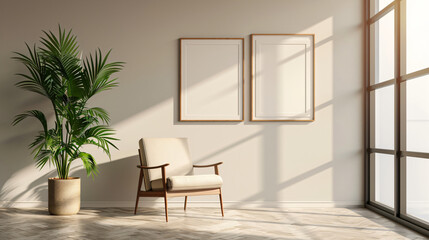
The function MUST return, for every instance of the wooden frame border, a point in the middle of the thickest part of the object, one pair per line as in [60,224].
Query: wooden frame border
[252,77]
[180,80]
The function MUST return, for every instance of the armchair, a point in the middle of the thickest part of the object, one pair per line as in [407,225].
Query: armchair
[166,170]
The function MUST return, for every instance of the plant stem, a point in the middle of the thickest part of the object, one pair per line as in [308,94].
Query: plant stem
[59,162]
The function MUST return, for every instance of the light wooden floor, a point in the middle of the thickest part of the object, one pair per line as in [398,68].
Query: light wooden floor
[202,223]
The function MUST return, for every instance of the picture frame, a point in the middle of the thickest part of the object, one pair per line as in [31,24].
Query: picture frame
[282,82]
[211,79]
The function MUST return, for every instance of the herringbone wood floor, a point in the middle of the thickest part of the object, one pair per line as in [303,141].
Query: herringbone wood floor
[201,223]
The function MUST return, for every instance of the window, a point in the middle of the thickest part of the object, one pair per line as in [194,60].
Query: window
[383,114]
[383,38]
[417,188]
[417,112]
[397,159]
[384,179]
[417,36]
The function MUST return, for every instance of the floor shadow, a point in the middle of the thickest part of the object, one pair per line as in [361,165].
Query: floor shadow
[114,223]
[381,220]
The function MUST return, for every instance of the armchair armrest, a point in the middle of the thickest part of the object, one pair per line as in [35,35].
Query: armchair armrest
[210,165]
[164,179]
[160,166]
[215,165]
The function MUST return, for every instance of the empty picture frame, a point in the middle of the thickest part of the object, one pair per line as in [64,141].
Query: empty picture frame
[282,85]
[211,79]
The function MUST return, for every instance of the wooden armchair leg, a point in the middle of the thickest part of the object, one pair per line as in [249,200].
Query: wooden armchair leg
[137,204]
[221,202]
[166,208]
[138,191]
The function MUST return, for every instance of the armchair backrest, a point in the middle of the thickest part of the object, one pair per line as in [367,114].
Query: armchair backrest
[158,151]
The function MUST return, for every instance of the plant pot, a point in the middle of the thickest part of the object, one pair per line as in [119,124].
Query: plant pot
[64,196]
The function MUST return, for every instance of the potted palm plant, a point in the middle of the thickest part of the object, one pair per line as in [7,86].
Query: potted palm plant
[56,72]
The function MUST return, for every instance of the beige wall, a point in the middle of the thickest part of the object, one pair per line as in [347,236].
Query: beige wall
[319,163]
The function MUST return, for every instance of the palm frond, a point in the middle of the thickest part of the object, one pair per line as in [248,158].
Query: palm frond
[98,113]
[61,54]
[33,113]
[42,158]
[63,44]
[100,136]
[89,163]
[38,80]
[97,73]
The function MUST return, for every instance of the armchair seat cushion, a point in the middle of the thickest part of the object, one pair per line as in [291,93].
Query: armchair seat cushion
[191,182]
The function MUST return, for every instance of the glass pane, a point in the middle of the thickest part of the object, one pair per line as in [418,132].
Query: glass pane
[384,179]
[382,119]
[417,43]
[418,114]
[417,187]
[378,5]
[383,49]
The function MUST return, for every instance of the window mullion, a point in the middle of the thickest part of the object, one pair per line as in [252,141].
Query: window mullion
[397,174]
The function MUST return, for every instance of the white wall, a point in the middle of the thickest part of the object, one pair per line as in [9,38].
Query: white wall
[264,163]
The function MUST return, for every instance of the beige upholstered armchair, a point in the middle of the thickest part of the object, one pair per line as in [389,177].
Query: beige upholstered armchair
[167,171]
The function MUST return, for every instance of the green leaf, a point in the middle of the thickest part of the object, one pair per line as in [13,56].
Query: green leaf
[89,163]
[42,158]
[98,113]
[33,113]
[97,73]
